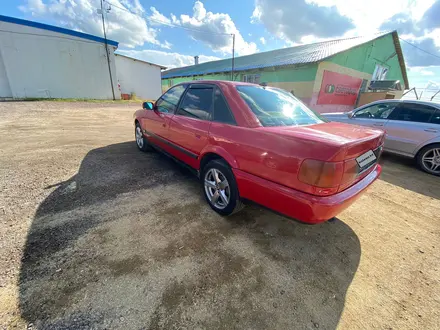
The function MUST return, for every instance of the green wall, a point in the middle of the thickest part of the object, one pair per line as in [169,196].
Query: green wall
[288,74]
[365,57]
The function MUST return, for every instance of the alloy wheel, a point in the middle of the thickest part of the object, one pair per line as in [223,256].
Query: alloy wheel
[431,160]
[139,137]
[217,188]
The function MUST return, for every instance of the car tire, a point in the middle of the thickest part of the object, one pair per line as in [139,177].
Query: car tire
[141,141]
[222,194]
[428,159]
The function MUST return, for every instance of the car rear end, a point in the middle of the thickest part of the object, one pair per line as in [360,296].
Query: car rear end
[354,158]
[321,167]
[321,186]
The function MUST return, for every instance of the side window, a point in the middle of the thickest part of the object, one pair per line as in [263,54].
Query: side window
[251,78]
[168,101]
[197,103]
[377,111]
[436,118]
[222,113]
[414,112]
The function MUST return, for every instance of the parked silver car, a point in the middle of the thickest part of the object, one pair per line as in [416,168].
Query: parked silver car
[412,128]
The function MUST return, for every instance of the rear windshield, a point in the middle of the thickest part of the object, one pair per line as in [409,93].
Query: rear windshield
[276,107]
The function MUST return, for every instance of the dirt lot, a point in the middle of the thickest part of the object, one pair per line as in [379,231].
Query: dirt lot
[95,234]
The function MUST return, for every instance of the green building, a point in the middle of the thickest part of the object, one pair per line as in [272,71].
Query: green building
[327,76]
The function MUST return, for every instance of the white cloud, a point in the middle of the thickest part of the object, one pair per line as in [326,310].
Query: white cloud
[290,20]
[324,19]
[133,30]
[420,70]
[213,29]
[168,59]
[166,45]
[262,40]
[256,14]
[128,29]
[367,17]
[34,6]
[174,19]
[157,18]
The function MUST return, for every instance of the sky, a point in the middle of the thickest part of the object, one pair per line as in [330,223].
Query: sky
[172,32]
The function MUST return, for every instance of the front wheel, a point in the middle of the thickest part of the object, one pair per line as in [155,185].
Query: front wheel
[220,188]
[141,141]
[429,159]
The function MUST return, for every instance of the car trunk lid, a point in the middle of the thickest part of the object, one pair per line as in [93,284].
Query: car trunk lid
[355,149]
[351,140]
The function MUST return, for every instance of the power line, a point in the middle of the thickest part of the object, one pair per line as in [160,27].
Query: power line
[425,51]
[167,23]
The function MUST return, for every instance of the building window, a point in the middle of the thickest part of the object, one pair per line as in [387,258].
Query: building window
[380,72]
[251,78]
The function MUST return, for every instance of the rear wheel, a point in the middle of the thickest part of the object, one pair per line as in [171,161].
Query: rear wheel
[141,141]
[429,159]
[220,188]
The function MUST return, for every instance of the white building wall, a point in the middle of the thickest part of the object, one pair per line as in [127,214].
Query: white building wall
[5,89]
[46,64]
[138,77]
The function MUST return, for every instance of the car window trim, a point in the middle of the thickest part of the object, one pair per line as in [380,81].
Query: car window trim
[178,103]
[190,86]
[227,106]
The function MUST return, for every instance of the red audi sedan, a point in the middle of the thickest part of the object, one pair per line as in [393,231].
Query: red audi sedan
[250,142]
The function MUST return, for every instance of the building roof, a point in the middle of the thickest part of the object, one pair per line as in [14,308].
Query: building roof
[135,59]
[56,29]
[302,54]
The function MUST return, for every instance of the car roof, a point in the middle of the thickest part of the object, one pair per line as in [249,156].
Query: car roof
[430,103]
[217,82]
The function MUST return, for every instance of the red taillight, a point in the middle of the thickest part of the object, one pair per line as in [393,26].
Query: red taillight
[350,171]
[325,177]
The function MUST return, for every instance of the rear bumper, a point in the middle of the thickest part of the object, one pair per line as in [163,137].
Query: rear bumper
[298,205]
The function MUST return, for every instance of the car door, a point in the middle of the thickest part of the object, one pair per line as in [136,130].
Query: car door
[156,123]
[189,127]
[410,126]
[375,115]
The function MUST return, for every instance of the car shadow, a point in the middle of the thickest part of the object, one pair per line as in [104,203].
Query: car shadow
[403,172]
[129,242]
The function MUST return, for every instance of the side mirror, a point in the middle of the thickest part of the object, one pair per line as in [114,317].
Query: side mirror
[350,114]
[147,105]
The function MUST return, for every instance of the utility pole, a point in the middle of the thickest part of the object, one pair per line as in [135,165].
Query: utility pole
[233,56]
[106,50]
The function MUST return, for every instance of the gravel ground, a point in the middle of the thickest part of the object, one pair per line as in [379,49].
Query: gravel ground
[95,234]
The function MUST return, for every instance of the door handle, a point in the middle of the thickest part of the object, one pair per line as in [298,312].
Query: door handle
[432,130]
[378,124]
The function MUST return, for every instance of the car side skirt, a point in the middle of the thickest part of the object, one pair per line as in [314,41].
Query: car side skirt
[178,161]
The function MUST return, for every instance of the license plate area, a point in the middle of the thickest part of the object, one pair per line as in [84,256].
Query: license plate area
[366,159]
